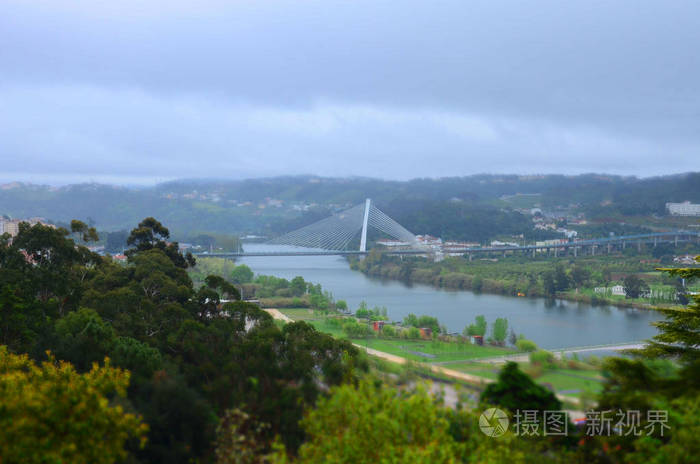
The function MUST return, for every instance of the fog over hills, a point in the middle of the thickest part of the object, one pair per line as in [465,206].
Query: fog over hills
[273,205]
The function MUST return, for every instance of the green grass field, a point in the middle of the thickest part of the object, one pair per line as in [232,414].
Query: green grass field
[565,381]
[416,350]
[431,351]
[299,314]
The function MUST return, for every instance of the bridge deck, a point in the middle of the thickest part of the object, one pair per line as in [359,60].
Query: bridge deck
[671,237]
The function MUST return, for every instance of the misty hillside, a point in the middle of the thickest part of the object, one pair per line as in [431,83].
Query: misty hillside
[275,205]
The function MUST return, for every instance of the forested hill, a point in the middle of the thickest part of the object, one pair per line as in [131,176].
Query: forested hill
[276,205]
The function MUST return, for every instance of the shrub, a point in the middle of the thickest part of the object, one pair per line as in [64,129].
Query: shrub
[389,331]
[356,330]
[52,413]
[542,357]
[572,364]
[526,345]
[413,332]
[333,322]
[283,292]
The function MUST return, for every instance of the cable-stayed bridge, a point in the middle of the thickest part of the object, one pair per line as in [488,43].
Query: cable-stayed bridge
[336,232]
[333,235]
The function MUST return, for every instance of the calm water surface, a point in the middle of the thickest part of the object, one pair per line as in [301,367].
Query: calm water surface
[551,325]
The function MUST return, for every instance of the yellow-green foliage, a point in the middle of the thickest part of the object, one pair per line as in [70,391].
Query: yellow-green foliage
[375,424]
[50,413]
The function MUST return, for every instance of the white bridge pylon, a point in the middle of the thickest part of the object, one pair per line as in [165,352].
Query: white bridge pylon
[337,231]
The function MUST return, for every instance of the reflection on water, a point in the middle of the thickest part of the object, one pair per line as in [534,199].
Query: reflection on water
[550,323]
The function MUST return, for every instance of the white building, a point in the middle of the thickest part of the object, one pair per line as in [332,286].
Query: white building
[618,290]
[683,209]
[10,227]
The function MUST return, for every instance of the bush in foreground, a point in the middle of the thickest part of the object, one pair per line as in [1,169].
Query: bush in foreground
[51,413]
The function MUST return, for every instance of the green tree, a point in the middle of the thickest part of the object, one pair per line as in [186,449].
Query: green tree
[83,231]
[411,320]
[679,332]
[561,279]
[526,345]
[151,234]
[549,284]
[220,284]
[500,330]
[374,424]
[634,286]
[241,274]
[512,338]
[429,322]
[83,338]
[341,305]
[116,241]
[413,333]
[649,382]
[50,413]
[579,275]
[297,286]
[22,319]
[515,390]
[57,265]
[478,328]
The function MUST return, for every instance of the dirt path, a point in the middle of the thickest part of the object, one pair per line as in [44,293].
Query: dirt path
[277,314]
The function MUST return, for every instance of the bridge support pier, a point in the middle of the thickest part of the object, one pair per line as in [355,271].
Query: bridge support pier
[675,240]
[363,238]
[639,246]
[575,252]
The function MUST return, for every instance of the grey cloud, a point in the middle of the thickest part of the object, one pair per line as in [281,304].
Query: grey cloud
[361,87]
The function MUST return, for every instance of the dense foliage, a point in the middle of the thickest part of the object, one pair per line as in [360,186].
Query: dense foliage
[52,413]
[191,356]
[186,377]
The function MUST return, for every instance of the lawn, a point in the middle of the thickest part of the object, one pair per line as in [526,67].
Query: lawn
[564,381]
[299,314]
[431,351]
[414,350]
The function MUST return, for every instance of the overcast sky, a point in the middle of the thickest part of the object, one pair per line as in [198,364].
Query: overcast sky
[143,91]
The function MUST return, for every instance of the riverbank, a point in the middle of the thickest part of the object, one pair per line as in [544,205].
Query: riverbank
[586,280]
[551,324]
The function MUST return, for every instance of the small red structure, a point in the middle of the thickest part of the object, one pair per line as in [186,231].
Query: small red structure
[426,333]
[378,325]
[478,340]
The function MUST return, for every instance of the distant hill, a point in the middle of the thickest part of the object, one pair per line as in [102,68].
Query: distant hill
[275,205]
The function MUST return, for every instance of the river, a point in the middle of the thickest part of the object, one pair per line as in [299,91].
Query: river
[550,324]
